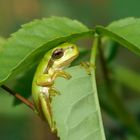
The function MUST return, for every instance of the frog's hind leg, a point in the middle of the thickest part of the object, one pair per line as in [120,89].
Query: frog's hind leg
[46,110]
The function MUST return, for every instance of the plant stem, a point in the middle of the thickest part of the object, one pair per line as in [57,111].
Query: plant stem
[18,96]
[92,61]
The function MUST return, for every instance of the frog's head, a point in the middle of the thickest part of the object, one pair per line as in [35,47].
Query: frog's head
[64,54]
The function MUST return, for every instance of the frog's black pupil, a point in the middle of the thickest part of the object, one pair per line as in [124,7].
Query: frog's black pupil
[58,53]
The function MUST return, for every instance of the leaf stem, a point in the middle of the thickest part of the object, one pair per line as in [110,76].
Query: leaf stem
[18,96]
[94,49]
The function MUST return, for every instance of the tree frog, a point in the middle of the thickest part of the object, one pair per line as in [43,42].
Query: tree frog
[51,67]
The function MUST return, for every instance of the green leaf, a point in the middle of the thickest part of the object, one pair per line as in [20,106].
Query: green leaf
[127,77]
[28,45]
[125,31]
[76,111]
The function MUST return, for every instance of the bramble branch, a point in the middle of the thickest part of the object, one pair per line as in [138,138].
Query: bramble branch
[18,96]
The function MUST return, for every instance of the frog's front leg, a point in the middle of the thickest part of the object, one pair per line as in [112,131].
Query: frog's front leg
[44,80]
[60,73]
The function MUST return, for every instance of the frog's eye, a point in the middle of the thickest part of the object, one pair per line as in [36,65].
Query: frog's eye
[58,53]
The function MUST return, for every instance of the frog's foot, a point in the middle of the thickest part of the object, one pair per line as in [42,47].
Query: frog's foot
[87,66]
[53,127]
[53,91]
[61,73]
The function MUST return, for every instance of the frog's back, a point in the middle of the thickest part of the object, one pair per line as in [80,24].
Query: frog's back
[39,71]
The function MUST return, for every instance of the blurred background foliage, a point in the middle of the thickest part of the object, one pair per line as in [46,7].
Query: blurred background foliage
[18,122]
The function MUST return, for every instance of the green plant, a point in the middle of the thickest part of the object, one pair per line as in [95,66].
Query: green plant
[76,111]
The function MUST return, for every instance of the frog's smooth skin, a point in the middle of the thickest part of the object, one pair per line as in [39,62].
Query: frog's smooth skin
[51,67]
